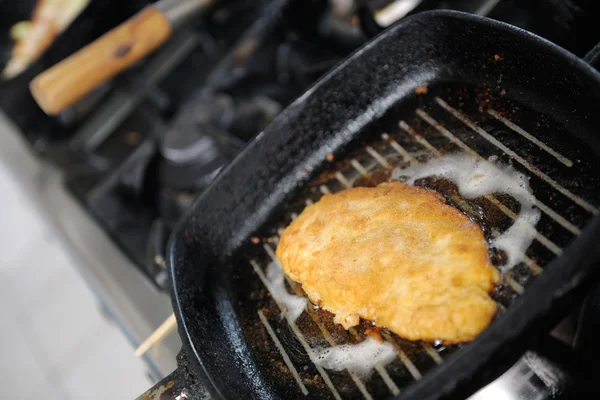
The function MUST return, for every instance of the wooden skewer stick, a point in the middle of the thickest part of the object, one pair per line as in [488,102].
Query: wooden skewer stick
[157,336]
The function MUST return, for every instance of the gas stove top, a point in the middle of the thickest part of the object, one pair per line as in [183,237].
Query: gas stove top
[138,151]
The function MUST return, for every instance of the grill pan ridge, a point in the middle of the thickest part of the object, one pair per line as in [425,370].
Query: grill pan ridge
[352,128]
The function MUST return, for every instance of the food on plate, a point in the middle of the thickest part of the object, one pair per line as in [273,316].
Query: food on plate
[397,255]
[50,18]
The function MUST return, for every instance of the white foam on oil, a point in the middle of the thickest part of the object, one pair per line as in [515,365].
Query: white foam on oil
[295,305]
[360,358]
[476,178]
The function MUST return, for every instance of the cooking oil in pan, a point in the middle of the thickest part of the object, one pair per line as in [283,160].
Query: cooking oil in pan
[361,358]
[525,233]
[477,178]
[474,178]
[294,304]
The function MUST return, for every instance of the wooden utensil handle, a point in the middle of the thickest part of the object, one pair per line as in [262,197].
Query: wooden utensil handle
[66,82]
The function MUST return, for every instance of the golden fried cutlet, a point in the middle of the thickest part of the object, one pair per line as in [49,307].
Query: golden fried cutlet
[397,255]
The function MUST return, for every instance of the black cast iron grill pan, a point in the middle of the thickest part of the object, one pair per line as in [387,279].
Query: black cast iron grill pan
[491,90]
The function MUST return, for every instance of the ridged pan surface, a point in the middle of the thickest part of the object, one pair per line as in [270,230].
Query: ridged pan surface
[436,84]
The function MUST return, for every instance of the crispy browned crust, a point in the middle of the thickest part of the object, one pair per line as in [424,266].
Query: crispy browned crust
[397,255]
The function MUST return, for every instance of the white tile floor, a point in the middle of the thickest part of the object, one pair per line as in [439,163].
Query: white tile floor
[54,339]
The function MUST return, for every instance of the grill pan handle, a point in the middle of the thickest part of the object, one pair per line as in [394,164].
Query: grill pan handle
[168,388]
[181,384]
